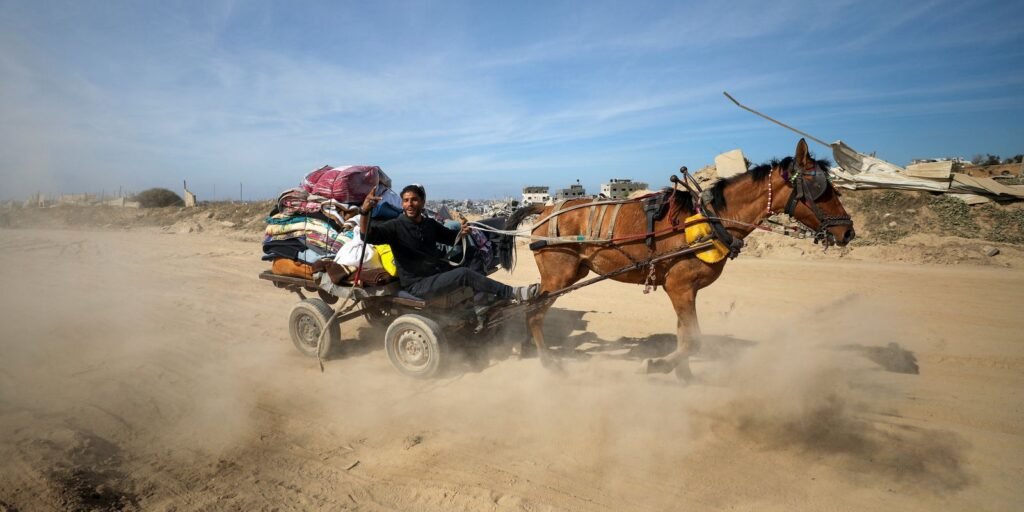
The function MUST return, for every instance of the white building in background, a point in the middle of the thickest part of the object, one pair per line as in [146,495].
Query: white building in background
[536,195]
[573,192]
[621,188]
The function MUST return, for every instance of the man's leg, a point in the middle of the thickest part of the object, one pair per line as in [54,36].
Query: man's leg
[448,281]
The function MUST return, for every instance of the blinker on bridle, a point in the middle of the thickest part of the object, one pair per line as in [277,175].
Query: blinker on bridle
[808,192]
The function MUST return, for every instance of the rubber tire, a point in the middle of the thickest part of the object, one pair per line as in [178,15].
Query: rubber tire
[305,323]
[430,340]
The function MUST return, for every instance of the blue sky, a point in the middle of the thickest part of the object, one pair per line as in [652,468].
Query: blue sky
[477,99]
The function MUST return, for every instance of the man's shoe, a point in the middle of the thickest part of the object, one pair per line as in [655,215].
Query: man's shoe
[521,294]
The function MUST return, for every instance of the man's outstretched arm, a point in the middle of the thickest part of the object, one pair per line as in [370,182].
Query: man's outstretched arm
[364,211]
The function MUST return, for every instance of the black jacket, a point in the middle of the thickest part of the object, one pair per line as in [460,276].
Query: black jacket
[414,246]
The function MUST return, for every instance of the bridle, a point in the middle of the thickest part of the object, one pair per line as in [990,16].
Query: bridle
[807,193]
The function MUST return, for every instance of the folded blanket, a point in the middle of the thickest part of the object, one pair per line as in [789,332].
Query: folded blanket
[300,224]
[375,276]
[298,201]
[287,267]
[340,213]
[290,248]
[339,274]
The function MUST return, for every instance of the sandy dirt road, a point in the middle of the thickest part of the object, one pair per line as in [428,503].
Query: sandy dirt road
[148,371]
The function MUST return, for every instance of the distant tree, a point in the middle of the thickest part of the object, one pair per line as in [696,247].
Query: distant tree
[991,159]
[1016,159]
[977,159]
[158,197]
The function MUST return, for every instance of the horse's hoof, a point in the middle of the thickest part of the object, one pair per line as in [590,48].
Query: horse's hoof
[524,350]
[684,374]
[655,366]
[554,365]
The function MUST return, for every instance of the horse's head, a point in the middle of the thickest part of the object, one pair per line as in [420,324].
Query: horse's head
[813,201]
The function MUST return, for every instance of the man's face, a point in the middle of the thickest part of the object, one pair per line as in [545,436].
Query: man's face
[412,204]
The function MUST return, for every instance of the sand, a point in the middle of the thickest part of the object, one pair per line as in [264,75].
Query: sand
[150,371]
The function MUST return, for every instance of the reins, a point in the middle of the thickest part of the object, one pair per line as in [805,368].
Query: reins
[799,193]
[538,302]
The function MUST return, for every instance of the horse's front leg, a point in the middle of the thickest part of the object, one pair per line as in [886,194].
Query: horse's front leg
[684,301]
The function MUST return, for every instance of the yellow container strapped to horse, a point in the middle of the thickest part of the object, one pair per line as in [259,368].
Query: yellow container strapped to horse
[698,229]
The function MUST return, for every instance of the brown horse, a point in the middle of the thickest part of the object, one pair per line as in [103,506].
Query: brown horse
[795,184]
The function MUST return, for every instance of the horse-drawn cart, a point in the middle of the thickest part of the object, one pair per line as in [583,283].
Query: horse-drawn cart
[417,330]
[651,244]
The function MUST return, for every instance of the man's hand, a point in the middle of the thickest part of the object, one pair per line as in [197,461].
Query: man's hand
[464,230]
[369,203]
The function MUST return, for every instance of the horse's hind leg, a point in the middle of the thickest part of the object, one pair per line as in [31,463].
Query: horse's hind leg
[557,270]
[684,301]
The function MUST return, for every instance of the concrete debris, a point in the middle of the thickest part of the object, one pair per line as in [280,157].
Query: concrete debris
[730,163]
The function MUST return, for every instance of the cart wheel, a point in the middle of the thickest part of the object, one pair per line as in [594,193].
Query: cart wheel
[415,346]
[307,321]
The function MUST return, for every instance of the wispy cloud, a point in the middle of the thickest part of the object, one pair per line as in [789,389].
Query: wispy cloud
[93,94]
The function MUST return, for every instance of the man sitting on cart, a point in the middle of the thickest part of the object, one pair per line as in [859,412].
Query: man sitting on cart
[422,271]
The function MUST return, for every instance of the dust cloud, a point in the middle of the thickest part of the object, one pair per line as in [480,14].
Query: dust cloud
[139,371]
[800,389]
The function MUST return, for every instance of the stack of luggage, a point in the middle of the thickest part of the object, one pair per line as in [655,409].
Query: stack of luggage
[314,227]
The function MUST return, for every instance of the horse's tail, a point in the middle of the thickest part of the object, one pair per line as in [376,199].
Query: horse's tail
[507,243]
[517,216]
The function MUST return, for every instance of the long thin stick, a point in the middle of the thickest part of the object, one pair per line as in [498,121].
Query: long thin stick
[784,125]
[362,251]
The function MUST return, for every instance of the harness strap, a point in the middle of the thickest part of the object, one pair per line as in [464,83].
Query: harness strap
[590,217]
[652,207]
[553,225]
[611,224]
[703,198]
[801,193]
[595,230]
[794,196]
[734,244]
[555,213]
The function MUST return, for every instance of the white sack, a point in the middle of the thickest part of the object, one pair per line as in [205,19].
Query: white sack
[349,253]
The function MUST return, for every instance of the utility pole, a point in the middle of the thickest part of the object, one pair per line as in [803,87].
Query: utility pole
[240,192]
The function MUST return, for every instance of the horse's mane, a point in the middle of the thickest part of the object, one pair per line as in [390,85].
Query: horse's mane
[759,172]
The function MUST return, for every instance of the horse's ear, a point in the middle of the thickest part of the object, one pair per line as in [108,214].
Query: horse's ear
[803,155]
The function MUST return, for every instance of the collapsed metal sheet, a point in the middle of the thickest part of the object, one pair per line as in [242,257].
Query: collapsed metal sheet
[856,171]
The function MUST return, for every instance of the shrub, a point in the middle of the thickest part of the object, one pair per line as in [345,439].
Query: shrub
[954,216]
[158,197]
[1006,225]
